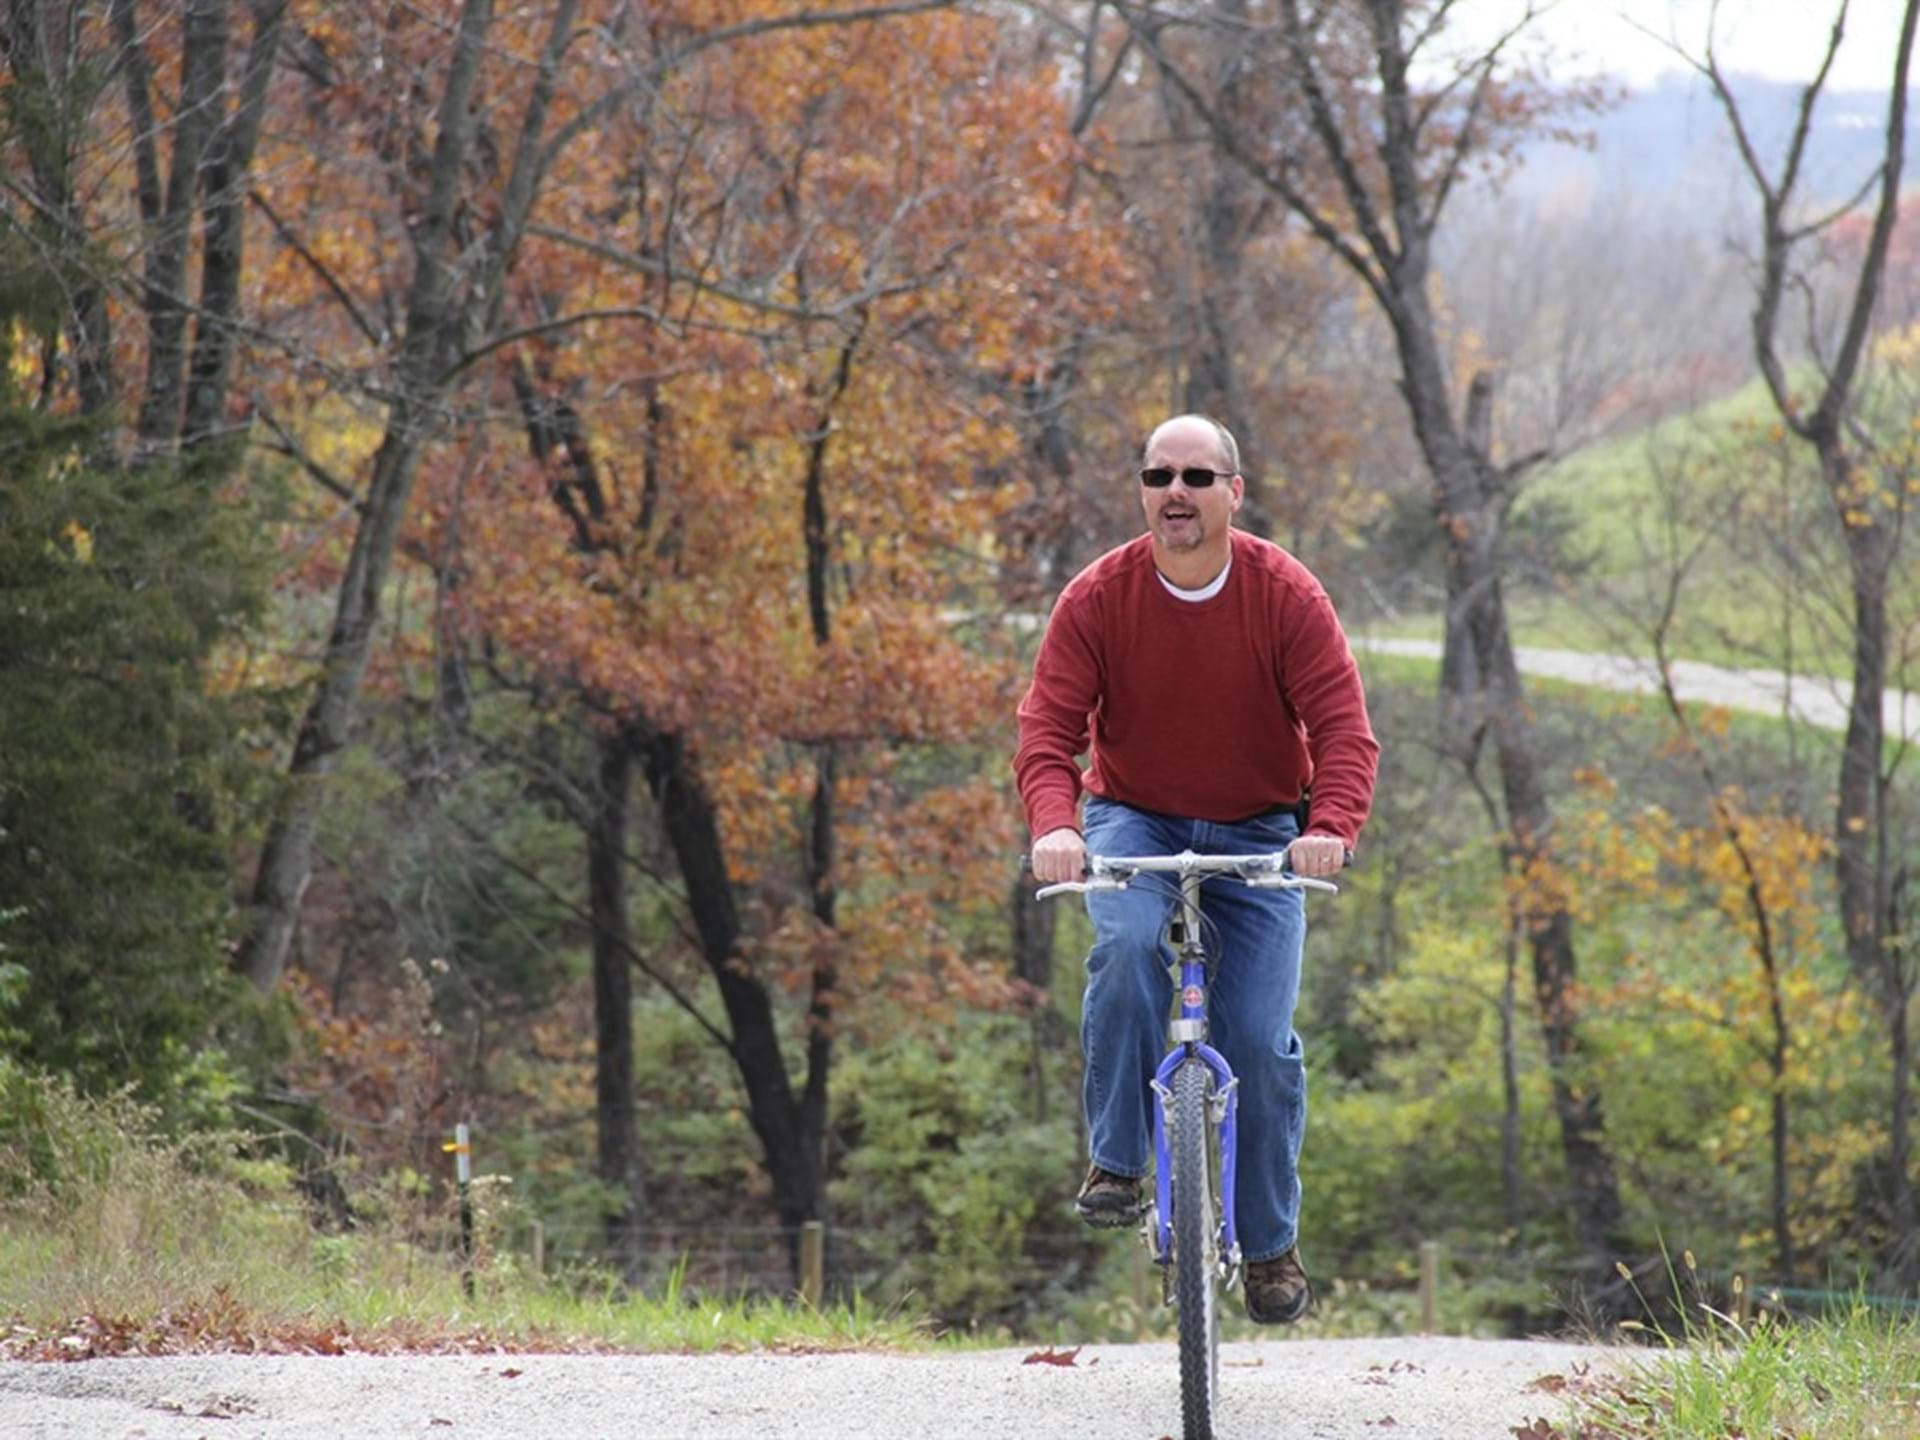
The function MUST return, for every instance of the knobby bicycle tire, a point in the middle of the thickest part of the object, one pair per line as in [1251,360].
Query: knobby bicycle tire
[1195,1250]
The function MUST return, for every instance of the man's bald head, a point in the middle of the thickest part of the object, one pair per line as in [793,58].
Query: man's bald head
[1184,426]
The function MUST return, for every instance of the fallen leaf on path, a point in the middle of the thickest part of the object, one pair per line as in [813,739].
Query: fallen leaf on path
[1538,1430]
[511,1374]
[1051,1356]
[1549,1384]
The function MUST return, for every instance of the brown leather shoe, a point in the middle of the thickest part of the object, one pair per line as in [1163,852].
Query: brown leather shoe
[1278,1291]
[1108,1201]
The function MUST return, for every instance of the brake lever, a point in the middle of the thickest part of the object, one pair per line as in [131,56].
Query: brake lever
[1292,882]
[1080,887]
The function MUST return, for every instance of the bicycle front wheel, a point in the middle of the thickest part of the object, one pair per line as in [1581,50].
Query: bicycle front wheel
[1196,1249]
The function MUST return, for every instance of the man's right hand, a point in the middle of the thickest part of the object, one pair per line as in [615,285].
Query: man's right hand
[1059,856]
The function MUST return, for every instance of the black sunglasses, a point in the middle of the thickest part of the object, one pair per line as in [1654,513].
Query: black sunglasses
[1193,477]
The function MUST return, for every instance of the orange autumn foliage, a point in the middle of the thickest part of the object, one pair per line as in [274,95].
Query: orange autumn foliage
[863,233]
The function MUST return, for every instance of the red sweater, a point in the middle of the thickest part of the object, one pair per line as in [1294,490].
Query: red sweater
[1211,710]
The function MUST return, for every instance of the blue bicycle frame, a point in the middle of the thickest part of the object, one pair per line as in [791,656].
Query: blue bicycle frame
[1189,1032]
[1189,1036]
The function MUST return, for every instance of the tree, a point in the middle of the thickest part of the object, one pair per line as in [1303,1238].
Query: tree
[1824,411]
[62,69]
[742,557]
[119,789]
[1367,159]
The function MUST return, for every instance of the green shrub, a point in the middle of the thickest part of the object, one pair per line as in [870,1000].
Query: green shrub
[958,1184]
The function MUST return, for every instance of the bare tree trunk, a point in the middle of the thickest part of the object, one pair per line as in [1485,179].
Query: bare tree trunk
[822,838]
[286,862]
[1858,822]
[202,84]
[1510,1174]
[1389,182]
[440,325]
[47,106]
[1469,498]
[229,162]
[1907,1248]
[619,1159]
[1871,525]
[693,829]
[1226,226]
[1898,1000]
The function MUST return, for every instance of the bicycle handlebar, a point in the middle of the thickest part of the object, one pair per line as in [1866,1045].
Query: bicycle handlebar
[1264,872]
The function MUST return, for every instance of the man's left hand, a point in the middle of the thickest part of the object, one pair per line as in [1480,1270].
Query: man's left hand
[1317,856]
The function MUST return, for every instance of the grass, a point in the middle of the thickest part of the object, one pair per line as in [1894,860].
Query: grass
[1612,485]
[115,1239]
[1616,494]
[1852,1373]
[1855,1376]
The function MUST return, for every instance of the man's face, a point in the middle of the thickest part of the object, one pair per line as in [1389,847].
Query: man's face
[1180,517]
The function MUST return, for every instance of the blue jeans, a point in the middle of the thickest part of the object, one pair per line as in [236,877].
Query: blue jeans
[1256,981]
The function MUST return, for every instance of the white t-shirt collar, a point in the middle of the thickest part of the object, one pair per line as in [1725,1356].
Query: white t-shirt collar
[1205,592]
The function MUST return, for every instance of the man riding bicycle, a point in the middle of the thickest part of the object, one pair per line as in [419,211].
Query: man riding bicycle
[1204,673]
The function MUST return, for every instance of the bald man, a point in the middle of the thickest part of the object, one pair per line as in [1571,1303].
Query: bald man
[1203,673]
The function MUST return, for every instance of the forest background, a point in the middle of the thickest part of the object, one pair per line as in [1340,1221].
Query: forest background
[523,526]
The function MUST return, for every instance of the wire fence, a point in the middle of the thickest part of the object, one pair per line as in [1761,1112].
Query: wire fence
[766,1260]
[884,1262]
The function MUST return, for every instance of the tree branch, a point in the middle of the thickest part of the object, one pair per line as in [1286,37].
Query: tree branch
[1873,265]
[838,311]
[138,77]
[561,322]
[593,114]
[1326,125]
[540,883]
[314,263]
[1323,227]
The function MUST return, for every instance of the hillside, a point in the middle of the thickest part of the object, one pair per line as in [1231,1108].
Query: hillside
[1671,144]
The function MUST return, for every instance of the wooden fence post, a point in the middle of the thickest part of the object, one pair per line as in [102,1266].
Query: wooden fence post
[1429,1284]
[461,1148]
[813,1261]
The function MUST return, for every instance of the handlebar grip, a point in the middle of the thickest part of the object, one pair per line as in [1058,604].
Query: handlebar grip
[1079,887]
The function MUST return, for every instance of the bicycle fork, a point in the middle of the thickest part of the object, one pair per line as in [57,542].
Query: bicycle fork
[1189,1033]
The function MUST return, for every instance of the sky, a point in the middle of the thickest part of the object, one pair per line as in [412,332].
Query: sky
[1780,39]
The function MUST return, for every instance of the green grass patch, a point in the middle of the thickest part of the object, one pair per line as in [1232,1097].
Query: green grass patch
[116,1238]
[1697,472]
[1612,485]
[1852,1376]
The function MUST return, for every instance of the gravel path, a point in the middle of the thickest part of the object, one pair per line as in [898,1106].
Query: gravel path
[1424,1388]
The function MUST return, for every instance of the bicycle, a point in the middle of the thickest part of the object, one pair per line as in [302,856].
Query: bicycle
[1193,1123]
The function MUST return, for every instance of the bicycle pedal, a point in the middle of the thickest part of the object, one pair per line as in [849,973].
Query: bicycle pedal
[1150,1232]
[1232,1272]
